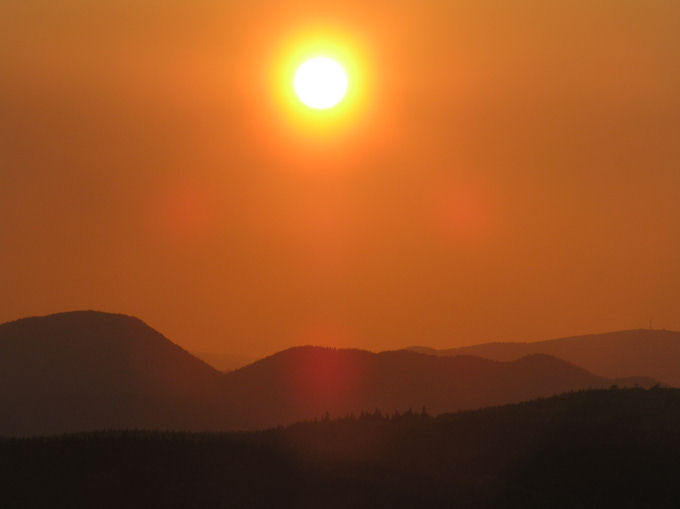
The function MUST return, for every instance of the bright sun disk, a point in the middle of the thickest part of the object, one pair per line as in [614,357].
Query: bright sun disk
[320,83]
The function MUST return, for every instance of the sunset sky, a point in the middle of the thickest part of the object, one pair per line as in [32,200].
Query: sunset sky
[499,170]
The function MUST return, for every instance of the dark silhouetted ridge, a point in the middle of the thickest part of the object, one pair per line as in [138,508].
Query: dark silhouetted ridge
[304,382]
[594,449]
[89,370]
[641,352]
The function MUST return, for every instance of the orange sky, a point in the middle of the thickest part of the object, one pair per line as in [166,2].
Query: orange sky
[511,172]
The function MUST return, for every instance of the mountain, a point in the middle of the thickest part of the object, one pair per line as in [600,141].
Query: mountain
[591,449]
[88,370]
[649,352]
[304,382]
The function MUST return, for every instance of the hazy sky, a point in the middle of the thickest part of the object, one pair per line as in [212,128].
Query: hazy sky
[512,171]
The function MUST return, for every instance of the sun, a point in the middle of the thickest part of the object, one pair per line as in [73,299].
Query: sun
[320,83]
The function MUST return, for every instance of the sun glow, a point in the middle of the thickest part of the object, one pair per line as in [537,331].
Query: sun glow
[320,91]
[320,83]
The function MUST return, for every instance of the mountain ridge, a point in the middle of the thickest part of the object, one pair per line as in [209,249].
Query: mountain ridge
[88,370]
[634,352]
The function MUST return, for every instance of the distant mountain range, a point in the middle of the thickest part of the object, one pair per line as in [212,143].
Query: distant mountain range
[304,382]
[89,370]
[650,352]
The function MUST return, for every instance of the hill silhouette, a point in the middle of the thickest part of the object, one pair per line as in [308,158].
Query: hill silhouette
[648,352]
[604,448]
[303,382]
[88,370]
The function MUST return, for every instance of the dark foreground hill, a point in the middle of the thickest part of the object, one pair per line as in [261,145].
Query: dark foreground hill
[85,371]
[614,448]
[649,352]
